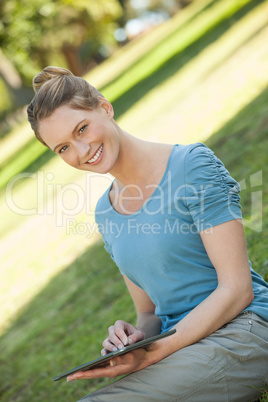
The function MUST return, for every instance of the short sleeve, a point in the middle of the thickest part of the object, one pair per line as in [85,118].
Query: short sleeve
[211,194]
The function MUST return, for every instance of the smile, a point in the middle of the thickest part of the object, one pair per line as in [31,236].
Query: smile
[96,155]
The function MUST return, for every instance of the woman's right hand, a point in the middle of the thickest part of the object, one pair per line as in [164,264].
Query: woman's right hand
[121,334]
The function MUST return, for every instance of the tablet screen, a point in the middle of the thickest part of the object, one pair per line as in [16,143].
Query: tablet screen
[103,359]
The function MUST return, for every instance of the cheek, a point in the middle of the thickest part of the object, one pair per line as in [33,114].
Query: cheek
[70,159]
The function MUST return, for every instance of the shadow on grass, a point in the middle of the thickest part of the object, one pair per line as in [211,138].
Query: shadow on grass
[65,323]
[63,327]
[244,135]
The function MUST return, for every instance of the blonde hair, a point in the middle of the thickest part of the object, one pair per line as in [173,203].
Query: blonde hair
[55,87]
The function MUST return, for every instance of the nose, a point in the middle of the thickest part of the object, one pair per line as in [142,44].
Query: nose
[83,150]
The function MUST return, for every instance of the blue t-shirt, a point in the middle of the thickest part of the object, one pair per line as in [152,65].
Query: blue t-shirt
[159,247]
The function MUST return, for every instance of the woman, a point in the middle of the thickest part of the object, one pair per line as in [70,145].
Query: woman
[180,245]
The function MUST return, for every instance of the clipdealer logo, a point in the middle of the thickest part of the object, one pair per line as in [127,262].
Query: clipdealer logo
[66,201]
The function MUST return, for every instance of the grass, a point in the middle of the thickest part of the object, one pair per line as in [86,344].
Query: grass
[172,46]
[130,84]
[21,137]
[57,283]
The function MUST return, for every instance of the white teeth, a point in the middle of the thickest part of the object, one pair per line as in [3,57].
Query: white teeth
[96,155]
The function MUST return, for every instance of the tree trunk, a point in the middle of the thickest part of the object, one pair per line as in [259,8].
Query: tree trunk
[73,60]
[9,73]
[19,94]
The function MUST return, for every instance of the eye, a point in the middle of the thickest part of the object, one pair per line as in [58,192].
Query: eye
[82,129]
[63,149]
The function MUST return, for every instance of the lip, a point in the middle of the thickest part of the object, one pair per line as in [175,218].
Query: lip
[99,158]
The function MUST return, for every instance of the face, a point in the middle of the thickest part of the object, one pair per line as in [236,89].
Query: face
[85,139]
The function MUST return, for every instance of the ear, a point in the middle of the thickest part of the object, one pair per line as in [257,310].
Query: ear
[107,106]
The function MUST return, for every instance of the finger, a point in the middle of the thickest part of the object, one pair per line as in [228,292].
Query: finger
[121,333]
[127,360]
[136,337]
[110,347]
[117,337]
[113,362]
[113,338]
[104,352]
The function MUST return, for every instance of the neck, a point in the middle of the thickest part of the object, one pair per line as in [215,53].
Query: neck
[139,161]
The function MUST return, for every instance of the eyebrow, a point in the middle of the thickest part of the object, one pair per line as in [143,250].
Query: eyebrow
[74,130]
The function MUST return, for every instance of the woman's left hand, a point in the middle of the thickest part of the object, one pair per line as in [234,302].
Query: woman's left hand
[119,365]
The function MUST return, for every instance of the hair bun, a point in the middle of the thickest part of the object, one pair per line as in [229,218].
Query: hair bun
[48,74]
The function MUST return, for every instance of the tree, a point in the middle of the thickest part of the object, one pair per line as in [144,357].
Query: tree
[30,31]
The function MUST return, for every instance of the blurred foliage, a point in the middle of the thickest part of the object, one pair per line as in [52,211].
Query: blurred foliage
[31,30]
[77,34]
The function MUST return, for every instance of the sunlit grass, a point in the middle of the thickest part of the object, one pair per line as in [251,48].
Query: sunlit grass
[161,53]
[50,238]
[210,89]
[131,54]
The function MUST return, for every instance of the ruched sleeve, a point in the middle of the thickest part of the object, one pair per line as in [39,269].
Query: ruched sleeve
[211,194]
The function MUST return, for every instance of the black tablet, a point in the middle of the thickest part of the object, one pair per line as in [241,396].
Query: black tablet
[103,359]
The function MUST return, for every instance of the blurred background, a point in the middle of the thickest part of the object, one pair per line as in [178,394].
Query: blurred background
[78,35]
[176,71]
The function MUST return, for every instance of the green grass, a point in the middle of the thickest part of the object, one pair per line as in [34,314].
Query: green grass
[60,290]
[172,46]
[58,323]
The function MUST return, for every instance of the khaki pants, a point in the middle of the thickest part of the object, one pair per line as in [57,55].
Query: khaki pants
[229,365]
